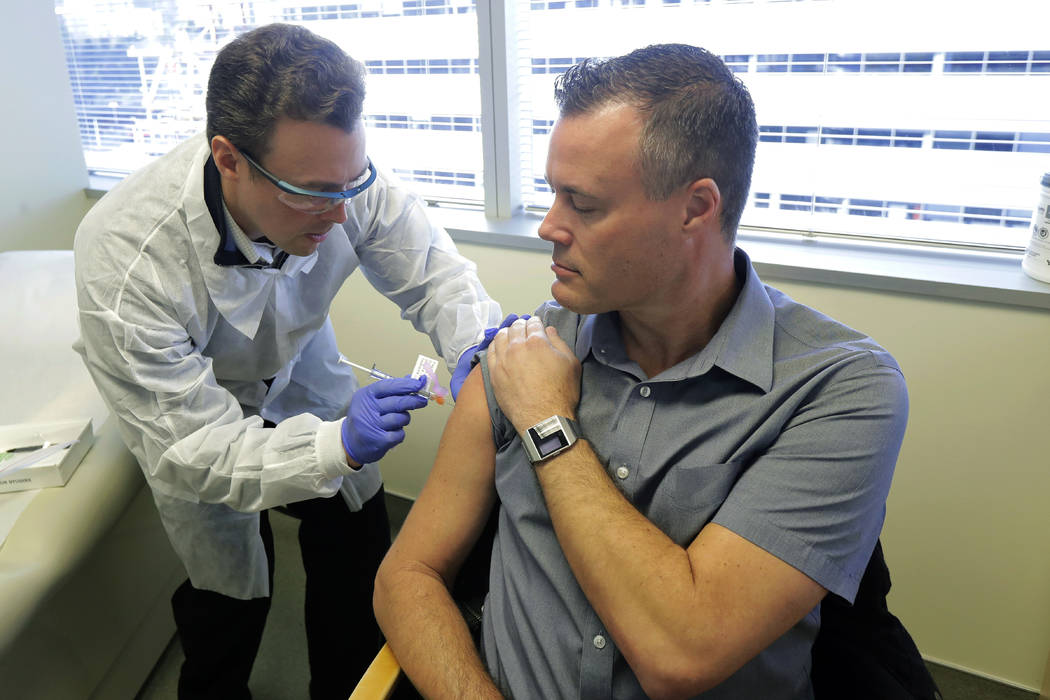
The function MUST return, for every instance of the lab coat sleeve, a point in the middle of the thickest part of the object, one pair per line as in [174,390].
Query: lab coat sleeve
[189,433]
[322,386]
[415,264]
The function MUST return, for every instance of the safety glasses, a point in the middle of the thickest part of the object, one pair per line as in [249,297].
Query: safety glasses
[314,201]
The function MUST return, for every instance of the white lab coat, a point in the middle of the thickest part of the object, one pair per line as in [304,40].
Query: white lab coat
[179,347]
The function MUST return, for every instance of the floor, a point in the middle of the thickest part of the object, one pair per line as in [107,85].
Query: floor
[280,671]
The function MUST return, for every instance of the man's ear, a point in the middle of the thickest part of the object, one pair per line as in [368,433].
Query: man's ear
[703,206]
[225,155]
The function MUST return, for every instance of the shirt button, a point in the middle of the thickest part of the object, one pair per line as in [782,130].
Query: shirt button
[644,391]
[623,472]
[599,641]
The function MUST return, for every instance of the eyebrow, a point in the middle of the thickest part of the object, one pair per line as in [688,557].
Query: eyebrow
[570,190]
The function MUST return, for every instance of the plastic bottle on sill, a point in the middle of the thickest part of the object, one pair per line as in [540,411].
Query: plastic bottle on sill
[1036,262]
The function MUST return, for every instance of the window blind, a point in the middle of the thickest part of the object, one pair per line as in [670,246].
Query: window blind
[924,121]
[139,71]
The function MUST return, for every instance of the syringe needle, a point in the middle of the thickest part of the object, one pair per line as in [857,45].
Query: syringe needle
[373,372]
[370,370]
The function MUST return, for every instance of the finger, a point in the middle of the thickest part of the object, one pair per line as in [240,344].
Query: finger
[396,387]
[535,331]
[557,342]
[401,403]
[511,318]
[394,438]
[392,422]
[517,330]
[534,326]
[499,341]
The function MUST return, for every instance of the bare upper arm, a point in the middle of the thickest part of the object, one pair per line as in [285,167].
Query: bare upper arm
[455,502]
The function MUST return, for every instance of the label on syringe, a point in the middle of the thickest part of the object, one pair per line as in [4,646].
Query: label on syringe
[428,366]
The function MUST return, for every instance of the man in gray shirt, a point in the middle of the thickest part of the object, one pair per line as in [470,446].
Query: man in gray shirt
[686,461]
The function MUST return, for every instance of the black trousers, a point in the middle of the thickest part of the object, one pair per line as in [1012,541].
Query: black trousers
[341,551]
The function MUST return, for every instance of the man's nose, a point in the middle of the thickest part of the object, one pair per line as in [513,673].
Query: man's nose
[551,228]
[336,214]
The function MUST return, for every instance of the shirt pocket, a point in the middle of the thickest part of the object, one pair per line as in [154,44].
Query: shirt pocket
[696,488]
[689,496]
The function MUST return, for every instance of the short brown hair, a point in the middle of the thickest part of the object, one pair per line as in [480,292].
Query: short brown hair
[277,71]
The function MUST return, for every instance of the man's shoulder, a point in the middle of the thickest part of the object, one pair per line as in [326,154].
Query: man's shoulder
[137,234]
[552,313]
[123,221]
[152,188]
[800,327]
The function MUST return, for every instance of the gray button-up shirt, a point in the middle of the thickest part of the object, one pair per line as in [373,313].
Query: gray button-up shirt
[784,429]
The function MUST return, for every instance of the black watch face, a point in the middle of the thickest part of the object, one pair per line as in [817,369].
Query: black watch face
[550,444]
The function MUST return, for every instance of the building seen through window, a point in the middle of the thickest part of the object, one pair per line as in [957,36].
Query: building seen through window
[923,121]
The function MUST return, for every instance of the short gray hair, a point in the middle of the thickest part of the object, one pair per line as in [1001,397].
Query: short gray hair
[700,119]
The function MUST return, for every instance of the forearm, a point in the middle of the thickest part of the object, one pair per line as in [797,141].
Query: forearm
[428,635]
[413,606]
[641,584]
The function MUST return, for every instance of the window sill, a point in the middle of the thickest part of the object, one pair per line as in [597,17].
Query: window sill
[989,277]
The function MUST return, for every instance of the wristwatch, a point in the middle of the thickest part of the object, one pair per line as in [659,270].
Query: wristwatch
[549,437]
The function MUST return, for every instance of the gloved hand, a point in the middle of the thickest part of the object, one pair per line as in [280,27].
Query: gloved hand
[376,416]
[466,360]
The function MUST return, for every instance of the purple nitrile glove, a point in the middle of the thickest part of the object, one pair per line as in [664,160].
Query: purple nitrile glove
[466,360]
[376,416]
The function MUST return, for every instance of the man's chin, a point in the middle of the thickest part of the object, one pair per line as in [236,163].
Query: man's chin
[302,247]
[574,302]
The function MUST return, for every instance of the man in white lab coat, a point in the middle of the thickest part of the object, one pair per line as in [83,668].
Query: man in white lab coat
[204,283]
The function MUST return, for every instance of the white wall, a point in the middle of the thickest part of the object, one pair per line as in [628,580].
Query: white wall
[967,534]
[43,176]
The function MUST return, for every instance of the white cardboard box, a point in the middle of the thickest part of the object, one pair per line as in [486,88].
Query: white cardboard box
[53,469]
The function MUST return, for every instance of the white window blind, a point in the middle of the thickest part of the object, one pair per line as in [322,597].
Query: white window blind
[923,120]
[139,71]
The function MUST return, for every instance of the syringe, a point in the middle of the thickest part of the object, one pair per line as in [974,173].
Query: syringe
[377,374]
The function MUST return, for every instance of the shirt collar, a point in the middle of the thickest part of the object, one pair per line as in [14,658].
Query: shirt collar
[742,346]
[260,253]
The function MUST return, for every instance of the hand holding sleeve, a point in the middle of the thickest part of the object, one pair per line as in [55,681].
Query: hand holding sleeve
[466,360]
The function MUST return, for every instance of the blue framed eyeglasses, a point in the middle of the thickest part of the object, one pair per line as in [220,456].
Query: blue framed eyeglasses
[314,201]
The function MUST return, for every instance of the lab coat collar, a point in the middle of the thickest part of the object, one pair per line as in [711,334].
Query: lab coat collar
[238,289]
[234,245]
[227,254]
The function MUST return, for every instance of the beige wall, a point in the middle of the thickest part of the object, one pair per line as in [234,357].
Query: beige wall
[967,534]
